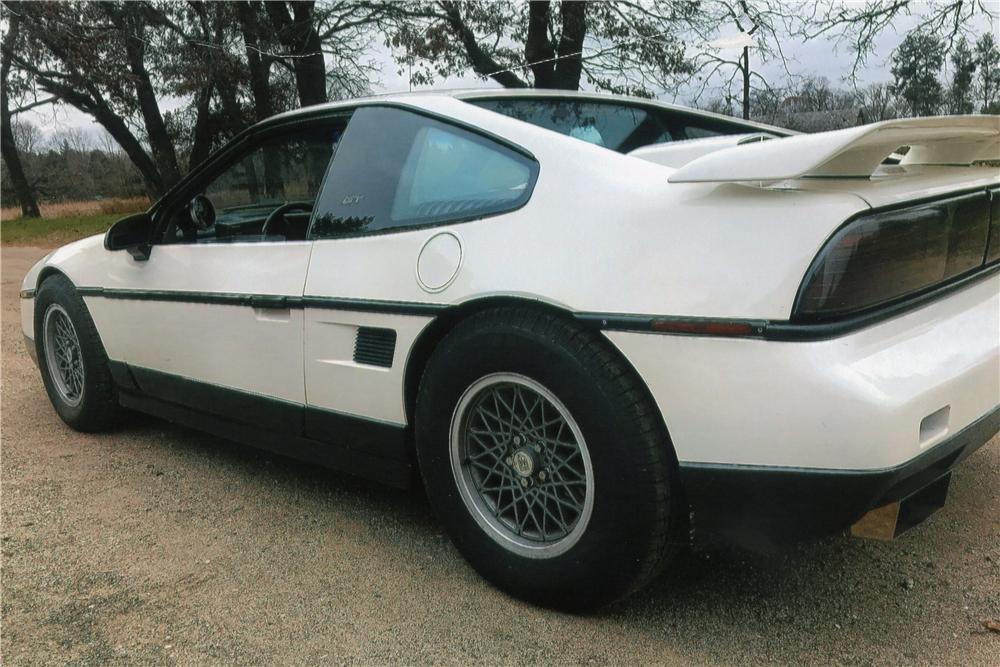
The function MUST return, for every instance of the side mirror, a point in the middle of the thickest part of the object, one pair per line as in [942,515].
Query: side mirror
[202,212]
[132,234]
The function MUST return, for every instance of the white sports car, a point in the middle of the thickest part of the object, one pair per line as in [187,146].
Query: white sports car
[596,326]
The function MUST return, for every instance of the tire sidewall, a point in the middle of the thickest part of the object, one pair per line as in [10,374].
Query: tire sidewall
[58,290]
[610,552]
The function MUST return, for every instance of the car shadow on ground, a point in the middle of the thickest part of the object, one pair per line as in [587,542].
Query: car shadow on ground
[695,572]
[835,594]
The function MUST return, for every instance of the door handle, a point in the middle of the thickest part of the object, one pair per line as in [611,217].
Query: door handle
[271,302]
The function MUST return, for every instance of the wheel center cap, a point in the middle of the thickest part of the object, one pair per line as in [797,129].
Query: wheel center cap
[523,462]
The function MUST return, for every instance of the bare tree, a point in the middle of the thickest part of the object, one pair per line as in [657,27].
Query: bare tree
[27,136]
[763,25]
[857,25]
[235,62]
[987,56]
[624,47]
[8,144]
[878,101]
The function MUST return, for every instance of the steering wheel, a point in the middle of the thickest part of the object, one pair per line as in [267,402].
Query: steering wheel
[279,214]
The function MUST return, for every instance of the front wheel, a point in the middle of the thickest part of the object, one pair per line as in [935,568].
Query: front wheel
[71,358]
[546,461]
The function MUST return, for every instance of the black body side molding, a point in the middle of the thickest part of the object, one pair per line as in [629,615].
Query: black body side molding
[371,449]
[667,325]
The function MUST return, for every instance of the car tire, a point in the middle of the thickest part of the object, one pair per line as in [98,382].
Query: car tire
[72,359]
[623,516]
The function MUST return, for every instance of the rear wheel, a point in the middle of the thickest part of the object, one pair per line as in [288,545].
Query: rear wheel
[546,460]
[71,357]
[521,465]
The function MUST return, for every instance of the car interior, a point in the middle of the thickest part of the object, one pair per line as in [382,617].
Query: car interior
[266,193]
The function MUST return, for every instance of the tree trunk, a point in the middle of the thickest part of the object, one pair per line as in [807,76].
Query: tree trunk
[482,63]
[298,35]
[156,128]
[202,135]
[260,68]
[569,67]
[25,197]
[11,157]
[310,70]
[538,50]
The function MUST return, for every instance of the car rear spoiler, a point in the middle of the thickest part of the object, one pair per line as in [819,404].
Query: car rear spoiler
[676,154]
[852,153]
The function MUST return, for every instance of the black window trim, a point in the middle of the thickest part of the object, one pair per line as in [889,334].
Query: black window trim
[492,137]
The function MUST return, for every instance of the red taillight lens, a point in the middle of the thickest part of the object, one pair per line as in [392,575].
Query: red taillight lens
[882,257]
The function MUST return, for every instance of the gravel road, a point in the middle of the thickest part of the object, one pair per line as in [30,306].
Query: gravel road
[155,544]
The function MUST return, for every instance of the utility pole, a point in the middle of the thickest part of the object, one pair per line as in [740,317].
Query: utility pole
[745,64]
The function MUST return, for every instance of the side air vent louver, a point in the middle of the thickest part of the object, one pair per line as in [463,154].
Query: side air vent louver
[374,347]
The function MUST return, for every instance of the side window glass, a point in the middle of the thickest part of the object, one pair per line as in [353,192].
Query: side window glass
[265,195]
[397,169]
[620,127]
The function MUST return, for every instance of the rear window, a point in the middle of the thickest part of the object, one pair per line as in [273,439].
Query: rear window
[616,126]
[620,127]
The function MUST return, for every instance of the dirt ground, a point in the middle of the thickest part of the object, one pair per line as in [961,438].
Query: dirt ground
[155,544]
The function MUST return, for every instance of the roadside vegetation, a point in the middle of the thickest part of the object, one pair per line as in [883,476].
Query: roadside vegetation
[65,221]
[46,232]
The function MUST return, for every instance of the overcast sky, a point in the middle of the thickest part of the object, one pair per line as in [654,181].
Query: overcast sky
[817,57]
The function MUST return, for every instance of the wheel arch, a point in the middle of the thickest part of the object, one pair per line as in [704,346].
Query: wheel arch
[50,271]
[435,332]
[44,274]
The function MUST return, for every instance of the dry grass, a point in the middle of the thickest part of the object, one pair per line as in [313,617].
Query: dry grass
[49,232]
[71,209]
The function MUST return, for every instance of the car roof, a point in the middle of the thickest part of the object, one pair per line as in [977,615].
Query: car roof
[469,94]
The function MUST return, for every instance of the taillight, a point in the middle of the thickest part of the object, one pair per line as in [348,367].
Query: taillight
[882,257]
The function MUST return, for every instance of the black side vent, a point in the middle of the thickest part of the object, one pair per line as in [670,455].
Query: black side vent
[374,347]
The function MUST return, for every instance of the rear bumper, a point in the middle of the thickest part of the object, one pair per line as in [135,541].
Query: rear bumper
[761,507]
[786,440]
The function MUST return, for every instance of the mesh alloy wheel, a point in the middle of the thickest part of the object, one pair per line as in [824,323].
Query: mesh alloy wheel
[521,465]
[63,355]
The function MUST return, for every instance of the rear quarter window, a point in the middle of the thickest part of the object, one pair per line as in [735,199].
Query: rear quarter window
[396,169]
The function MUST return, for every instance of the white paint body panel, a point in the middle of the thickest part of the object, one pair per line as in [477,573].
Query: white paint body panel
[854,402]
[676,154]
[238,347]
[853,152]
[602,232]
[335,382]
[27,318]
[891,185]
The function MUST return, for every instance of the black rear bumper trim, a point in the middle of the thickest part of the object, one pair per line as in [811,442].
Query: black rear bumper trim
[761,507]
